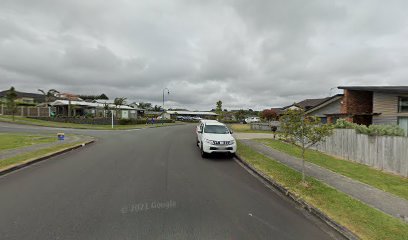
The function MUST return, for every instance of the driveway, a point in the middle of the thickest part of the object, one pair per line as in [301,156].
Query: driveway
[144,184]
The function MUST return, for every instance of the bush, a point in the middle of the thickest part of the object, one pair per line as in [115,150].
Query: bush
[143,121]
[125,121]
[372,130]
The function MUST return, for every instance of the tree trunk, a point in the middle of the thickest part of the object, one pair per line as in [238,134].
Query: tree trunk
[303,164]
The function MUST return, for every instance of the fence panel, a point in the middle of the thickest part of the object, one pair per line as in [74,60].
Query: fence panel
[387,153]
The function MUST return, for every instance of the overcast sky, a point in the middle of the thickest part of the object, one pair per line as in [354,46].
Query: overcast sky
[247,53]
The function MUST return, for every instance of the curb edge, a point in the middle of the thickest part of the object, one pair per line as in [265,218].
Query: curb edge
[39,159]
[299,202]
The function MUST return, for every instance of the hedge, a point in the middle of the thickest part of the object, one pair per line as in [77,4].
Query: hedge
[372,130]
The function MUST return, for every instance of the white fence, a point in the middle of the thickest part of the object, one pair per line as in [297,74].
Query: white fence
[382,152]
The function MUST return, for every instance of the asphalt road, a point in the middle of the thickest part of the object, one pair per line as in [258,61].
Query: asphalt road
[144,184]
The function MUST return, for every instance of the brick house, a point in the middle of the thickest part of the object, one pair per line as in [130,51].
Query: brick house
[374,105]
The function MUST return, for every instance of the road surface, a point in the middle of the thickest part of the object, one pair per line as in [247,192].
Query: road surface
[144,184]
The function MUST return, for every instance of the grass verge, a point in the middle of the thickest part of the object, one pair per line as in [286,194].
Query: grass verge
[245,128]
[26,157]
[16,140]
[37,122]
[365,221]
[385,181]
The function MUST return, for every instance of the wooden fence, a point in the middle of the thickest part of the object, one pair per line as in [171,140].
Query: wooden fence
[387,153]
[26,111]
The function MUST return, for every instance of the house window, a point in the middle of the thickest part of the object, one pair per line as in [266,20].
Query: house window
[403,104]
[403,123]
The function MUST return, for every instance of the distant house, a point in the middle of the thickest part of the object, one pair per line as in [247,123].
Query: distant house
[319,107]
[24,97]
[325,108]
[306,104]
[374,105]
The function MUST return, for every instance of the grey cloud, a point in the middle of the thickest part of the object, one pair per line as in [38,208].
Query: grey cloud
[253,54]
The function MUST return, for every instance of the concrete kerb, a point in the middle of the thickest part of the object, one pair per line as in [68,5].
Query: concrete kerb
[299,202]
[39,159]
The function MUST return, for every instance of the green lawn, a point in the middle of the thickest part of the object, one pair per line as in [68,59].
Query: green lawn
[16,140]
[385,181]
[245,128]
[37,122]
[363,220]
[35,154]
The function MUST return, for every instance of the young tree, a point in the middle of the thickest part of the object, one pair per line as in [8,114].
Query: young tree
[304,130]
[11,97]
[49,95]
[218,108]
[269,115]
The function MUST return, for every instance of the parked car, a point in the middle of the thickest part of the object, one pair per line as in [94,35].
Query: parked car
[252,119]
[215,137]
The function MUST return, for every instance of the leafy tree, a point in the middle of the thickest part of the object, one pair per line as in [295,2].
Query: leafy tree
[11,97]
[157,108]
[94,97]
[303,130]
[118,102]
[144,105]
[103,96]
[240,115]
[269,115]
[49,95]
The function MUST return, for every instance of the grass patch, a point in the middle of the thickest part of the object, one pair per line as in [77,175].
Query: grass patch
[37,122]
[385,181]
[363,220]
[35,154]
[245,128]
[15,140]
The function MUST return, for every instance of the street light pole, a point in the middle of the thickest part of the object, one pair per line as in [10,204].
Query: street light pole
[168,92]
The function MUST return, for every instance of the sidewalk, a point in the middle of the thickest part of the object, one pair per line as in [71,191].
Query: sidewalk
[243,135]
[374,197]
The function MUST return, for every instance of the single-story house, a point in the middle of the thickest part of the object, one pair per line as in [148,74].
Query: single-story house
[82,108]
[175,114]
[319,107]
[327,106]
[24,97]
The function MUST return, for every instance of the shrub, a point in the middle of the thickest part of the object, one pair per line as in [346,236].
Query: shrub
[372,130]
[125,121]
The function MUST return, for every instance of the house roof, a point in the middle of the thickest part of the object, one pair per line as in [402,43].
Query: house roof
[308,103]
[89,104]
[192,113]
[385,89]
[37,97]
[325,103]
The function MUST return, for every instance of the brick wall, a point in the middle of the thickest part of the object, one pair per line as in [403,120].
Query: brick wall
[355,102]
